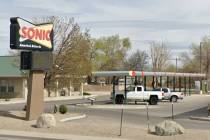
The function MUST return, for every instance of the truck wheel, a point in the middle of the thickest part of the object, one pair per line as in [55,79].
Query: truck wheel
[119,100]
[173,99]
[153,100]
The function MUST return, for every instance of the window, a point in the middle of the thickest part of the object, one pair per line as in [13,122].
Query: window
[6,86]
[139,89]
[165,90]
[11,89]
[3,89]
[157,89]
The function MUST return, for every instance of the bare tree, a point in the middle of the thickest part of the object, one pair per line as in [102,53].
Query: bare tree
[72,52]
[205,52]
[137,61]
[159,54]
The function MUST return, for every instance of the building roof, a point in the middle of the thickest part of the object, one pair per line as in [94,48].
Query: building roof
[10,66]
[143,73]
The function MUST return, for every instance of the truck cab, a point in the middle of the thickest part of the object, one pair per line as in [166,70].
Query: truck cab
[169,95]
[137,93]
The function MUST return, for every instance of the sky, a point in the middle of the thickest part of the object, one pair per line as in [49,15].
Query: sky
[178,23]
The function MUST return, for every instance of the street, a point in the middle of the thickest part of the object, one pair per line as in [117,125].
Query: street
[190,106]
[195,105]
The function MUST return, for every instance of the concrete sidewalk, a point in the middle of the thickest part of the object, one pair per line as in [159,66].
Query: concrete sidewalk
[26,135]
[46,99]
[115,106]
[200,118]
[36,135]
[60,98]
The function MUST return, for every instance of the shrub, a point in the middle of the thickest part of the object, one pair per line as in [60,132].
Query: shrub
[63,109]
[86,93]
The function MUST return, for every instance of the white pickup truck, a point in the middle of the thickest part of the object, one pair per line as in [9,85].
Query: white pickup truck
[172,96]
[137,93]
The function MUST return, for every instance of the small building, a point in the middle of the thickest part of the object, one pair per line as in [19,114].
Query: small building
[13,81]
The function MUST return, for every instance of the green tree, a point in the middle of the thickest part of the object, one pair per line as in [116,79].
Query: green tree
[197,55]
[189,63]
[171,68]
[109,53]
[137,61]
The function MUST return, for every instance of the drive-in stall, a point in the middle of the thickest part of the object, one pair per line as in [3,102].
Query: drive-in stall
[180,80]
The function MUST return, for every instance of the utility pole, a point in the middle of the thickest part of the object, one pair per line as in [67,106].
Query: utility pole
[200,56]
[176,59]
[207,61]
[176,64]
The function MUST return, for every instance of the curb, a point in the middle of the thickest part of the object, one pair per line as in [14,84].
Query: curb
[48,136]
[67,98]
[200,118]
[73,118]
[47,99]
[116,106]
[12,102]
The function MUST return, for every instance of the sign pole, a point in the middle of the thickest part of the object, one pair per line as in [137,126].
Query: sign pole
[25,35]
[172,110]
[121,122]
[35,99]
[148,129]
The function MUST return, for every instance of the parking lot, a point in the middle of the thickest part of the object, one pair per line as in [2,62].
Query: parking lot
[195,105]
[105,116]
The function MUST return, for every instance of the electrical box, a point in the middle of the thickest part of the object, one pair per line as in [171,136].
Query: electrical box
[36,60]
[25,60]
[41,61]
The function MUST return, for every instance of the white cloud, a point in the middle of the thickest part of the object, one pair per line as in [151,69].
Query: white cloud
[179,22]
[53,6]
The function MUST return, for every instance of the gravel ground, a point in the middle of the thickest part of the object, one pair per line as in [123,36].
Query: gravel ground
[94,126]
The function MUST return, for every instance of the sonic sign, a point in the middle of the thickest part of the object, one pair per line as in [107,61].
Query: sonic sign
[28,36]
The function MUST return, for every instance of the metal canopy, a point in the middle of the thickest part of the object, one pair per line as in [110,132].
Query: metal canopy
[142,73]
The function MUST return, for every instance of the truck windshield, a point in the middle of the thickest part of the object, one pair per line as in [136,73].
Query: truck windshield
[139,89]
[165,90]
[157,89]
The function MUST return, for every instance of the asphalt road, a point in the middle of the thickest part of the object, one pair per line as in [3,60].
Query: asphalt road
[191,106]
